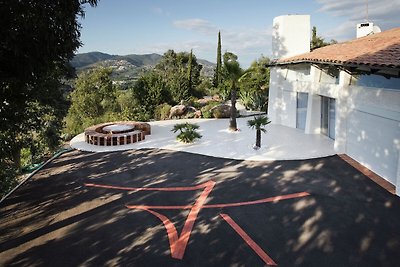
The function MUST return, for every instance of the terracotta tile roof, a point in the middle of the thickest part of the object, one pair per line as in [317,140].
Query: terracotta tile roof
[377,50]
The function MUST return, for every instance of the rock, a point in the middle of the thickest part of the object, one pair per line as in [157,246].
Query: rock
[192,112]
[197,114]
[216,98]
[221,111]
[177,111]
[204,101]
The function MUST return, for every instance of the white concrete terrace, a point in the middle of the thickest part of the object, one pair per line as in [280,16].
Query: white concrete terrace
[279,143]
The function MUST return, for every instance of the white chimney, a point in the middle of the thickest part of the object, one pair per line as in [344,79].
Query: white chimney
[290,35]
[366,28]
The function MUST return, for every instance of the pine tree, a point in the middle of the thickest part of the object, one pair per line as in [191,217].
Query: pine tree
[318,41]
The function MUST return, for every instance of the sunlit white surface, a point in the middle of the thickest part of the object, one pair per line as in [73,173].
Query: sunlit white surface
[279,143]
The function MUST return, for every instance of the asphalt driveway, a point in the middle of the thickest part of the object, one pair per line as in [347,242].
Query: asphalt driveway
[161,208]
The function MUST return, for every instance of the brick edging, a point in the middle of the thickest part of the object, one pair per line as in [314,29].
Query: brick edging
[370,174]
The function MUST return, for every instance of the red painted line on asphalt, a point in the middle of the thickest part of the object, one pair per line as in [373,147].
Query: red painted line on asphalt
[178,244]
[253,245]
[171,230]
[187,228]
[224,205]
[145,207]
[186,188]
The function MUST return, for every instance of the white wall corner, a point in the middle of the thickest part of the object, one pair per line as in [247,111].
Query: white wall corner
[290,35]
[273,96]
[342,112]
[313,120]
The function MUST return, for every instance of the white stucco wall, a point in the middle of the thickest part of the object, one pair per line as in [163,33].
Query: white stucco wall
[367,120]
[367,123]
[373,129]
[291,35]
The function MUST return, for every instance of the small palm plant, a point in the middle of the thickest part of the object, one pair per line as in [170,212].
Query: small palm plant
[258,123]
[187,132]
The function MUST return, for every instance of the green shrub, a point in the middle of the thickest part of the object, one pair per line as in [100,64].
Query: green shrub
[162,111]
[205,111]
[254,100]
[8,177]
[217,114]
[187,132]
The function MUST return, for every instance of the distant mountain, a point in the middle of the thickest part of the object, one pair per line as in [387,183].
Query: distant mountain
[129,67]
[84,60]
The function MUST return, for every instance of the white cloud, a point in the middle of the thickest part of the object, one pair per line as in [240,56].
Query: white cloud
[248,43]
[160,11]
[197,25]
[384,13]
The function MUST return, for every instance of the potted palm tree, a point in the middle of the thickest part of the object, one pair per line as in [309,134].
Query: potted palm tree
[258,123]
[187,132]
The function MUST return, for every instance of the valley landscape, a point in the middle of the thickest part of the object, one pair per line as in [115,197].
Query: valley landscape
[127,68]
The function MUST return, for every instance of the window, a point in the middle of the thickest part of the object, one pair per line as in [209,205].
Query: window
[373,80]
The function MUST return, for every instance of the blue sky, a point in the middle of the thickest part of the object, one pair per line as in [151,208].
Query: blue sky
[140,27]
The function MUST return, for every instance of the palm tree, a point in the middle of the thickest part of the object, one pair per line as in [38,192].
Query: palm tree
[187,132]
[258,123]
[234,72]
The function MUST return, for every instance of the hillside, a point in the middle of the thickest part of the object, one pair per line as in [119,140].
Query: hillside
[128,67]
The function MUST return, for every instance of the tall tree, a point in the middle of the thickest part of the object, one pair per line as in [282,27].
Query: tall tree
[318,41]
[38,38]
[234,72]
[93,100]
[218,69]
[189,70]
[174,68]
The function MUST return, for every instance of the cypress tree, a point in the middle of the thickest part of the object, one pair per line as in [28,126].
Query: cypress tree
[189,71]
[217,75]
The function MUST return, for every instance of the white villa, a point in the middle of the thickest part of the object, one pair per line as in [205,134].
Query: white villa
[349,91]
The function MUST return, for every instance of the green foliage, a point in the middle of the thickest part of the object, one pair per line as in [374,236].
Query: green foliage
[187,132]
[38,38]
[318,41]
[224,90]
[218,70]
[206,109]
[175,68]
[258,123]
[234,72]
[93,101]
[205,87]
[8,177]
[254,85]
[149,91]
[162,111]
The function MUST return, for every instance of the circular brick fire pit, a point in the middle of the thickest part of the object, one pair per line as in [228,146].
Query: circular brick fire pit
[117,133]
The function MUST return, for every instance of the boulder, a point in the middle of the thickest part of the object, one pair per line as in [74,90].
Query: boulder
[192,112]
[197,114]
[221,111]
[177,111]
